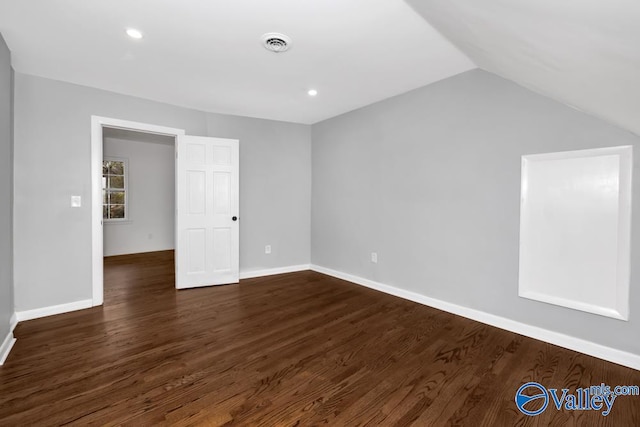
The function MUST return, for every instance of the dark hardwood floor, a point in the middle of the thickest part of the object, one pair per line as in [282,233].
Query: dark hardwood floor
[296,349]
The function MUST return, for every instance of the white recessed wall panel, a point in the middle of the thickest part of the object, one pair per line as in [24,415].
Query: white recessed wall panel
[575,224]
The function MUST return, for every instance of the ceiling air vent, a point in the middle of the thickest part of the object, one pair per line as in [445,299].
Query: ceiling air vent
[276,42]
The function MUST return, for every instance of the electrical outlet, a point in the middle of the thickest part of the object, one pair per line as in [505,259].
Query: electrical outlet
[374,257]
[267,249]
[76,201]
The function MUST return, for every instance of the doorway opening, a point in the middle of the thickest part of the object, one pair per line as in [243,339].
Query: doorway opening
[113,200]
[206,209]
[138,205]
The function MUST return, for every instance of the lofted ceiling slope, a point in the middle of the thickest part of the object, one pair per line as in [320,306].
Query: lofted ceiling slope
[207,54]
[584,53]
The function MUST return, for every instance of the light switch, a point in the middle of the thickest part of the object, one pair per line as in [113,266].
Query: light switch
[76,201]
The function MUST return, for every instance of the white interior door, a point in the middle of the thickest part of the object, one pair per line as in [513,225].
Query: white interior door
[207,217]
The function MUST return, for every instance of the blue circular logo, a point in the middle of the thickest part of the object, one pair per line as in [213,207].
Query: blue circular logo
[536,392]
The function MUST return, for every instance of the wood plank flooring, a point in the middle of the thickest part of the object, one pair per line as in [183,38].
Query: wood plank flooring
[296,349]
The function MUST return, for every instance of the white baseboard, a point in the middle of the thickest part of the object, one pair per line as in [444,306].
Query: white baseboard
[272,271]
[6,346]
[9,340]
[54,309]
[583,346]
[13,322]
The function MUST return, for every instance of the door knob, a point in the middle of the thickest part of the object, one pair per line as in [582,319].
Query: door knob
[234,218]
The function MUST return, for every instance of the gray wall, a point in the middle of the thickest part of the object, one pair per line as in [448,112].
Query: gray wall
[431,181]
[6,190]
[150,224]
[275,189]
[52,162]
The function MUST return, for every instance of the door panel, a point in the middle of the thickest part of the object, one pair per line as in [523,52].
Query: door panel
[207,236]
[222,249]
[196,250]
[196,189]
[222,193]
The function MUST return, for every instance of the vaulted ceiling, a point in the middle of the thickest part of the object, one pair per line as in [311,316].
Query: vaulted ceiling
[584,53]
[207,54]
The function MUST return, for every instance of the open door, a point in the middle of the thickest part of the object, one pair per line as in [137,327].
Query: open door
[207,211]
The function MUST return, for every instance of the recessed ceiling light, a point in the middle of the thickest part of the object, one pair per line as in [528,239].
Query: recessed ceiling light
[134,34]
[312,92]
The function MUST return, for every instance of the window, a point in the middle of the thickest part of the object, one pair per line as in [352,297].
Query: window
[114,189]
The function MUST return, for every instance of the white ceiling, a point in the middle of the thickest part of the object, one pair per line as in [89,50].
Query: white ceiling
[207,54]
[585,53]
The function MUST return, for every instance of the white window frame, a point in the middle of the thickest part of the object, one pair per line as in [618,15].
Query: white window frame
[126,218]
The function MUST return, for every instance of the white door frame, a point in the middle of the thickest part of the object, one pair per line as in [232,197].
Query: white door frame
[97,250]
